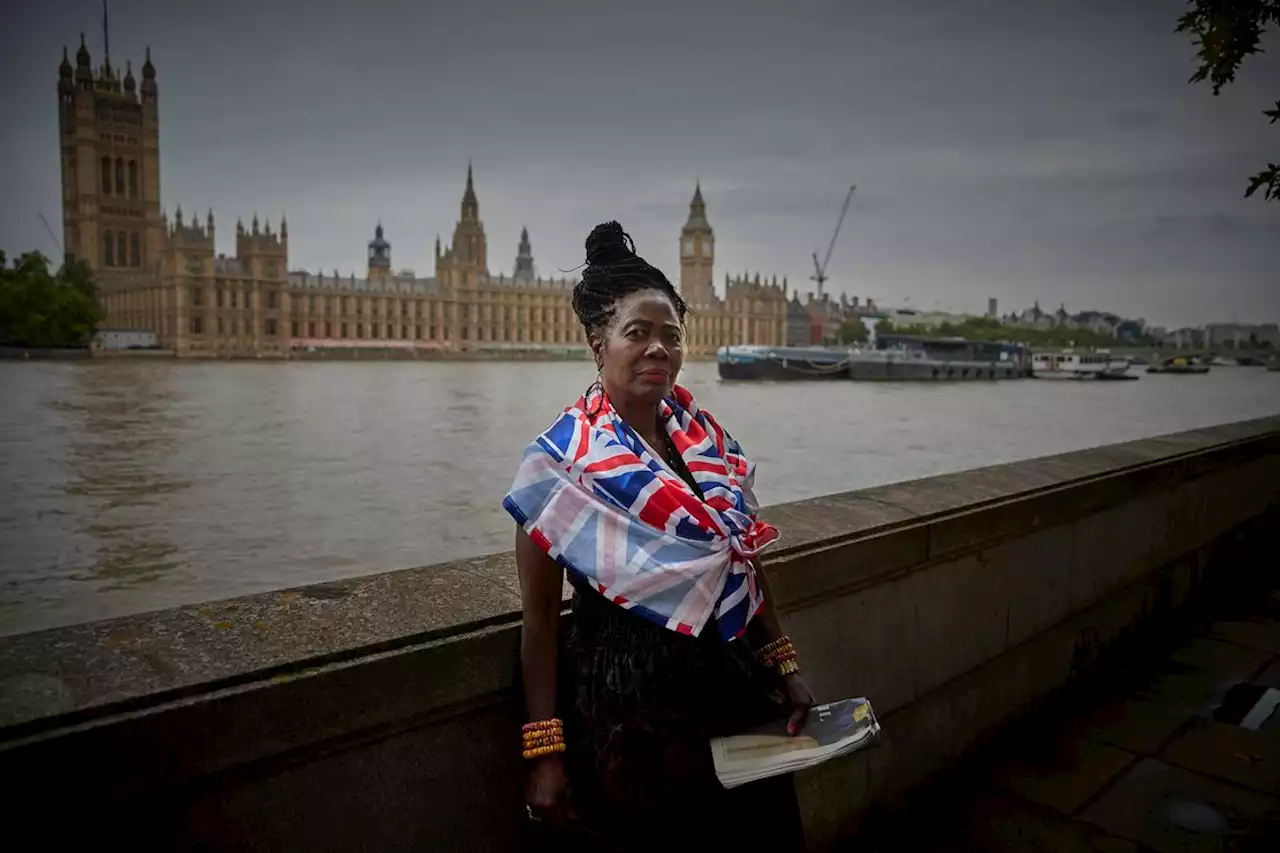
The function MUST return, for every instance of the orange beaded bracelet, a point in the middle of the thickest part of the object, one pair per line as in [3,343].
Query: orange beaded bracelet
[780,649]
[784,640]
[555,723]
[542,737]
[540,751]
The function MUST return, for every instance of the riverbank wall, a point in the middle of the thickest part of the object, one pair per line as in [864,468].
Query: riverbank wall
[381,712]
[39,354]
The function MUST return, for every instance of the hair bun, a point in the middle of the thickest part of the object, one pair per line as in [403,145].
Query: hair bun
[609,244]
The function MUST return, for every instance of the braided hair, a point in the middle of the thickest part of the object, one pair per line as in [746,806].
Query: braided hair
[615,271]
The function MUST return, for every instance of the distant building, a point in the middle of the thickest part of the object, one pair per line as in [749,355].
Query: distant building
[1098,322]
[524,258]
[826,316]
[903,317]
[166,278]
[122,339]
[992,309]
[1241,335]
[798,323]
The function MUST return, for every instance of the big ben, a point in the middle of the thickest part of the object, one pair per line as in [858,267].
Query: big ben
[697,254]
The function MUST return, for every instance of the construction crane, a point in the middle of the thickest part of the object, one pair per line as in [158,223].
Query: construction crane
[52,236]
[820,269]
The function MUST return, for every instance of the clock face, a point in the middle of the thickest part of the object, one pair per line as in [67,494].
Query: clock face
[706,250]
[688,246]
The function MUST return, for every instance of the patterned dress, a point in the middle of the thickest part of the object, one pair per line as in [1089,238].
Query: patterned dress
[640,704]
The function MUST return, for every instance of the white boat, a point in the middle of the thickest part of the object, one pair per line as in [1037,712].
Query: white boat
[1072,365]
[1118,369]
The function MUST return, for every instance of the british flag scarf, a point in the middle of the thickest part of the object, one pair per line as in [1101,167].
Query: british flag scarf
[593,495]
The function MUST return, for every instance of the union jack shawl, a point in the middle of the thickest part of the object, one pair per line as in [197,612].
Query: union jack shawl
[593,495]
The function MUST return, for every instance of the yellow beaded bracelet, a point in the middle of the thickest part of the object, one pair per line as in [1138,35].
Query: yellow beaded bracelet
[787,667]
[784,640]
[541,725]
[776,656]
[540,751]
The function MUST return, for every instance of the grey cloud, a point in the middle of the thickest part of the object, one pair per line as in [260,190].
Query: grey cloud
[1047,150]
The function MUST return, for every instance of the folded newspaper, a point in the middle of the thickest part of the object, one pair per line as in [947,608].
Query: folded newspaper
[832,730]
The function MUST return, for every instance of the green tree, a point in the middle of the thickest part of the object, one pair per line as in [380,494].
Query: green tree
[990,329]
[1224,33]
[853,331]
[38,309]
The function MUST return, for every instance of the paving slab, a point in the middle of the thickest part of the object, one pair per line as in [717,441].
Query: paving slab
[1137,725]
[1270,677]
[1259,634]
[1243,756]
[1005,824]
[1173,810]
[1064,774]
[1224,660]
[1189,688]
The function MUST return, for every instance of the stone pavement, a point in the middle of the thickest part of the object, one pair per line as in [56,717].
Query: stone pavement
[1150,755]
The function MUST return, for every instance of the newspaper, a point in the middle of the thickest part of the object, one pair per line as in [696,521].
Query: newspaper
[834,729]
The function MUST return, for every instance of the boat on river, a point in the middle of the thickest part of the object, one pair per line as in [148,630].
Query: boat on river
[1179,366]
[892,358]
[1069,364]
[916,358]
[761,362]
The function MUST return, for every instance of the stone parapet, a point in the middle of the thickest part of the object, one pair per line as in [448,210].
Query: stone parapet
[378,712]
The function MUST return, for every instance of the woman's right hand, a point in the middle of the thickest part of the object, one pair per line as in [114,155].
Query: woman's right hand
[547,790]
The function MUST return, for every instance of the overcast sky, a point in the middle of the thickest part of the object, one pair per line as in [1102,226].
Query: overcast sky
[1048,150]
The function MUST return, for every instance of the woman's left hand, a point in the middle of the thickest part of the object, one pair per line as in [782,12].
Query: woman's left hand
[800,699]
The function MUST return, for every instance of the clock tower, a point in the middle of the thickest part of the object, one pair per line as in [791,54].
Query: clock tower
[697,254]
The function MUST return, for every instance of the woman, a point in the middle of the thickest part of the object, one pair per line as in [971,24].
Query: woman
[647,502]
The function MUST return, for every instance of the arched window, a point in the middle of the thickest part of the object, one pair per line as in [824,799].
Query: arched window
[133,179]
[119,176]
[106,176]
[135,250]
[122,259]
[108,249]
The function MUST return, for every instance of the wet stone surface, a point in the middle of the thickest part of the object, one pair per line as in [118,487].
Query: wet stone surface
[1151,755]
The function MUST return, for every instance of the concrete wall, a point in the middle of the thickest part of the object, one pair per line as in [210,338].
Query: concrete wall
[379,713]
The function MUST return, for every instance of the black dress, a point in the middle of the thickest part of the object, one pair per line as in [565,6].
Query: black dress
[640,704]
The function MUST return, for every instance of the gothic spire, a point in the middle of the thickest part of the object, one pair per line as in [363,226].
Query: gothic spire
[470,206]
[697,220]
[524,258]
[106,38]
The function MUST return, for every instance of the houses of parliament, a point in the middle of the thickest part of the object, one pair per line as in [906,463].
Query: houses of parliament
[165,276]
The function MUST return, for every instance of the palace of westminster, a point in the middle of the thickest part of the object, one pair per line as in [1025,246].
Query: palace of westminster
[167,278]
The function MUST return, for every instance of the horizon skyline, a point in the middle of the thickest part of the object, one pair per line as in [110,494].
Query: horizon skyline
[941,222]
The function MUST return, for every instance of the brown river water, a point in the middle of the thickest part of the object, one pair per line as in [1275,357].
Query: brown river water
[135,485]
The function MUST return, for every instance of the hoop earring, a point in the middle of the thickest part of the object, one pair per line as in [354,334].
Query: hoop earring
[597,386]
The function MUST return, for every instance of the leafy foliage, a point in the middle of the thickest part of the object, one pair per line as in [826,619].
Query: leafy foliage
[38,309]
[853,331]
[991,329]
[1225,32]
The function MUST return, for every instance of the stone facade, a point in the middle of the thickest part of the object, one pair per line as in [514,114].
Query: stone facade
[167,277]
[753,311]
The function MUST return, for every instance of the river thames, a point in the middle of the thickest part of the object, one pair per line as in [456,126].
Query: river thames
[135,485]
